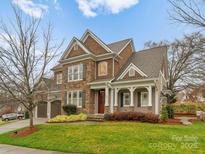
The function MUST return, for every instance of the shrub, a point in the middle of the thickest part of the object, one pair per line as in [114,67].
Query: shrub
[64,118]
[108,116]
[170,111]
[188,107]
[70,109]
[26,115]
[164,113]
[133,116]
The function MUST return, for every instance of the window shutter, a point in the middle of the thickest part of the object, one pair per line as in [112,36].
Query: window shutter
[83,99]
[121,99]
[139,99]
[84,72]
[65,97]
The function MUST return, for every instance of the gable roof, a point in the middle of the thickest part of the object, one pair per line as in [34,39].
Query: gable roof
[119,45]
[68,49]
[132,66]
[149,61]
[98,40]
[58,66]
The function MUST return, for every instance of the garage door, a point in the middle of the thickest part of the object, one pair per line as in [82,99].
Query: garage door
[55,108]
[42,110]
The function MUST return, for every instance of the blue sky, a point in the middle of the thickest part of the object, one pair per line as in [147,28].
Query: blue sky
[111,20]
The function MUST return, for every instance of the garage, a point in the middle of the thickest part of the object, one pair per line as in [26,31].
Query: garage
[55,108]
[42,110]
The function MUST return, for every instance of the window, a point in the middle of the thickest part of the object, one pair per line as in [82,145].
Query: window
[59,78]
[75,98]
[75,73]
[102,68]
[144,99]
[126,99]
[75,47]
[131,72]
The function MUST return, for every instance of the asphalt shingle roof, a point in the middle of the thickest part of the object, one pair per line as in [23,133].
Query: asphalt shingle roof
[149,61]
[117,46]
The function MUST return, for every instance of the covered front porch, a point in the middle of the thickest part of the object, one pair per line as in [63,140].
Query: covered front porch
[126,96]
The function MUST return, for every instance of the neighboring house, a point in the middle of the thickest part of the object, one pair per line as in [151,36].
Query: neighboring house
[105,78]
[8,105]
[195,95]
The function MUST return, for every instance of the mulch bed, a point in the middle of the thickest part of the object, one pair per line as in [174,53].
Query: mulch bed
[197,120]
[24,132]
[172,122]
[185,114]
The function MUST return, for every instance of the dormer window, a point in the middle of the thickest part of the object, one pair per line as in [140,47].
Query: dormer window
[75,47]
[131,72]
[102,68]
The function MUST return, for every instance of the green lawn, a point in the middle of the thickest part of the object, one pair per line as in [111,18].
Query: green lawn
[4,122]
[117,138]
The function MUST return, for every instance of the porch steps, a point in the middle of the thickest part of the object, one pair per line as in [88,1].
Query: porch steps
[96,117]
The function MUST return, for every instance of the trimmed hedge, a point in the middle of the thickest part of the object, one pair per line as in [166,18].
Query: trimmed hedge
[132,116]
[188,108]
[70,109]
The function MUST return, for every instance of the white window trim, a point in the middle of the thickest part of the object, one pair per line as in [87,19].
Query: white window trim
[57,78]
[142,98]
[78,98]
[72,69]
[100,63]
[130,73]
[125,105]
[128,68]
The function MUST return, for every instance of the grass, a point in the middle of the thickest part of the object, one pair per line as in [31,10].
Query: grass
[4,122]
[110,137]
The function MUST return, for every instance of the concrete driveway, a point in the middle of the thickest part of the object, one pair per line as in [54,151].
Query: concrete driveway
[20,124]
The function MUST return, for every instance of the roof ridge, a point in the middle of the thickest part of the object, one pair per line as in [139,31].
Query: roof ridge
[145,50]
[119,41]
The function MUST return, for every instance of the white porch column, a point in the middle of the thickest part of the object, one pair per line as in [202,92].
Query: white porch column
[106,96]
[150,95]
[116,97]
[156,101]
[49,110]
[131,96]
[112,100]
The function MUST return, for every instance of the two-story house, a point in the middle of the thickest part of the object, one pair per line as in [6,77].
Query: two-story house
[104,78]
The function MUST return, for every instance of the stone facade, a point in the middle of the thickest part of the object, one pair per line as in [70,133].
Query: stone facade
[92,84]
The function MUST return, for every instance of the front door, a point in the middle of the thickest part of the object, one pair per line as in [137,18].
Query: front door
[101,101]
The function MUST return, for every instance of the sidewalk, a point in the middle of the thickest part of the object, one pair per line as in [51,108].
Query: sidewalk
[10,149]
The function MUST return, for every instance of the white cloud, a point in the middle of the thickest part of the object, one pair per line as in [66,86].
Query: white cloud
[31,8]
[91,8]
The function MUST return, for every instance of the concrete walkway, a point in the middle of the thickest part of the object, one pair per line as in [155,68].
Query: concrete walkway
[20,124]
[10,149]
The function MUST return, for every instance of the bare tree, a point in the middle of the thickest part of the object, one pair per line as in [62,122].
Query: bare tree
[184,62]
[188,12]
[24,57]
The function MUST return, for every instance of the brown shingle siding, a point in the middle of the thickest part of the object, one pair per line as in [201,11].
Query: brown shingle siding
[94,47]
[74,53]
[122,60]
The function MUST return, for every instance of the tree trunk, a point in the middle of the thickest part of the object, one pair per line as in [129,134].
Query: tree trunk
[31,119]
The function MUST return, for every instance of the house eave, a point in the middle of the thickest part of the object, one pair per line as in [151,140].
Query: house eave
[134,81]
